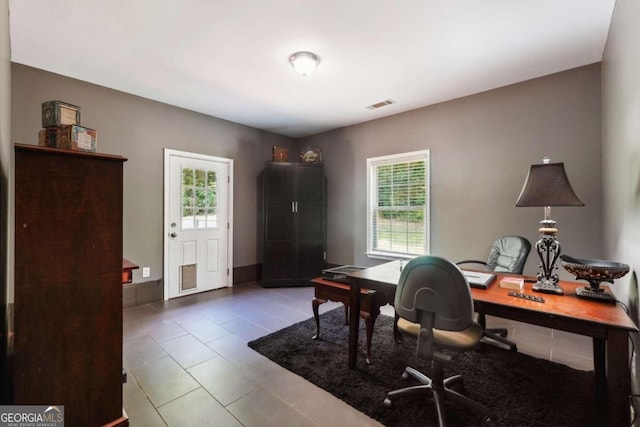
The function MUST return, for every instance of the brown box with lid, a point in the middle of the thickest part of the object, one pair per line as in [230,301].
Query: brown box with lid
[55,113]
[69,137]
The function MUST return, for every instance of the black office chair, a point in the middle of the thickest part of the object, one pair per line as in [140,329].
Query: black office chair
[508,254]
[433,302]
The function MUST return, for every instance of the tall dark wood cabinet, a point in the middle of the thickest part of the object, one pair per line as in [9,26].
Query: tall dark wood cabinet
[67,347]
[294,223]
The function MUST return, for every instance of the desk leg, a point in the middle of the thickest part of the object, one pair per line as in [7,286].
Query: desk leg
[354,322]
[618,380]
[600,368]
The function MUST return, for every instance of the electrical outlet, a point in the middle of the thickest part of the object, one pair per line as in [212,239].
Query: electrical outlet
[146,271]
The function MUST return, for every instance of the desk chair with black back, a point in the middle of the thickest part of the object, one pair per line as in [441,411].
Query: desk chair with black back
[508,254]
[434,303]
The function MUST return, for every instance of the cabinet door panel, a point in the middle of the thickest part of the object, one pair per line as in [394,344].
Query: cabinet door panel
[278,222]
[279,183]
[309,260]
[278,261]
[309,183]
[310,223]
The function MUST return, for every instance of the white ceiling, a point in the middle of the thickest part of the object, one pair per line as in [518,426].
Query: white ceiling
[229,58]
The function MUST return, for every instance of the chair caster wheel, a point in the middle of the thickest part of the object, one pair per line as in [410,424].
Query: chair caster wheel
[387,402]
[489,422]
[503,334]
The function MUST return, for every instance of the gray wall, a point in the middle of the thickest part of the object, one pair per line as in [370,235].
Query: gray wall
[621,138]
[621,153]
[481,148]
[139,129]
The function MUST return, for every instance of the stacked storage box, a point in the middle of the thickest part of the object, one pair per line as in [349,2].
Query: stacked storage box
[61,123]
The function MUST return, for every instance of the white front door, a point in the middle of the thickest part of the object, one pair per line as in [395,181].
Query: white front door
[197,223]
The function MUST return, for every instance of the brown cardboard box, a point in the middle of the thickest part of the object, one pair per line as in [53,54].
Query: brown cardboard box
[69,137]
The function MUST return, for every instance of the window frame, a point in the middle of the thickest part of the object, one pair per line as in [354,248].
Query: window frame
[372,198]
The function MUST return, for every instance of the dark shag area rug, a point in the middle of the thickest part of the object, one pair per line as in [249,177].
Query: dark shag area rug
[522,390]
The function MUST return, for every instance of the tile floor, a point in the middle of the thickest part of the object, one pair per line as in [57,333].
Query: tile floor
[188,362]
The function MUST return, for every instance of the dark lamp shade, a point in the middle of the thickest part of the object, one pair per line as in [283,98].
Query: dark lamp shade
[547,185]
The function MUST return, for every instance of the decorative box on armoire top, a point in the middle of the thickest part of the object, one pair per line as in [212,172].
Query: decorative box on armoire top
[67,337]
[293,223]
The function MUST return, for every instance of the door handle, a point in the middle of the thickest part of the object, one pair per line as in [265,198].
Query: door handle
[174,234]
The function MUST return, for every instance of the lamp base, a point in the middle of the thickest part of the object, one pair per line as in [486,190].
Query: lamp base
[548,249]
[598,294]
[547,287]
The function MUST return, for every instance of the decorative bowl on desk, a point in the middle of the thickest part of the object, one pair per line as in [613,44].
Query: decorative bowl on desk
[594,271]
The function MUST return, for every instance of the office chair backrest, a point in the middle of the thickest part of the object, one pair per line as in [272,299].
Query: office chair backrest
[431,285]
[509,254]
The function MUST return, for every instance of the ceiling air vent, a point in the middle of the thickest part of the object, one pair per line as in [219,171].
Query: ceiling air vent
[381,104]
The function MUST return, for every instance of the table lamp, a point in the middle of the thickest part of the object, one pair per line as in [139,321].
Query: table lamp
[547,185]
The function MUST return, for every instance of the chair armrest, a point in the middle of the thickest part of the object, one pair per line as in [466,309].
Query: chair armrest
[471,261]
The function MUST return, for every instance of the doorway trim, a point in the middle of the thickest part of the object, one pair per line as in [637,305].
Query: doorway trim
[168,153]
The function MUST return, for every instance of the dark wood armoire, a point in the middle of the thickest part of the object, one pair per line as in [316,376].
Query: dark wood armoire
[293,225]
[67,328]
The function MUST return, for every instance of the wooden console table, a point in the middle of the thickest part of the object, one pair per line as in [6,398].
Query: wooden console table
[127,270]
[370,303]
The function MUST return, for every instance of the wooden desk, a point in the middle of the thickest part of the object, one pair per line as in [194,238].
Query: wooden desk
[607,324]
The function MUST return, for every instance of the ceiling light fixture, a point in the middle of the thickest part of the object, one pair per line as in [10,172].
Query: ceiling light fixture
[304,62]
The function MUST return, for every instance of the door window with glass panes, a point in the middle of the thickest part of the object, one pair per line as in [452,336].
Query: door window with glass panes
[199,199]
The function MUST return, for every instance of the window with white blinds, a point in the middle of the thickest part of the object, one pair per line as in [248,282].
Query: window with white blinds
[398,205]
